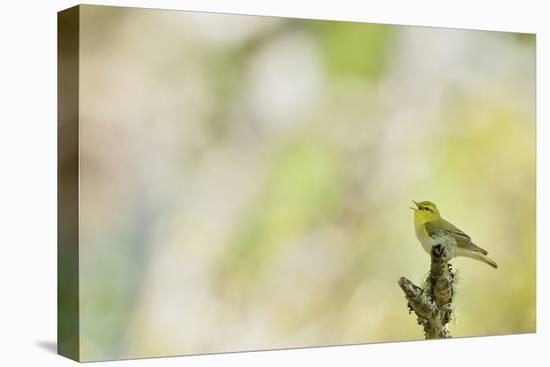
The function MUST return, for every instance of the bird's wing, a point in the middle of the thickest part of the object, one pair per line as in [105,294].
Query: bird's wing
[440,227]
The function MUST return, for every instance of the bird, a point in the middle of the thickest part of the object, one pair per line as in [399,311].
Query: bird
[431,229]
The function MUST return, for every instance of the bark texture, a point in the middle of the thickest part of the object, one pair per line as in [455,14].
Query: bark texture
[432,303]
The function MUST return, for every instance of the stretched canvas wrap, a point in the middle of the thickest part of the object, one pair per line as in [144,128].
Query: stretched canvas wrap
[235,183]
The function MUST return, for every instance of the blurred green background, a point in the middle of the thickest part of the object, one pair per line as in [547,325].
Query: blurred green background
[245,181]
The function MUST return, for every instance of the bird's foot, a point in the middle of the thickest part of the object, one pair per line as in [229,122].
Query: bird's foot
[439,251]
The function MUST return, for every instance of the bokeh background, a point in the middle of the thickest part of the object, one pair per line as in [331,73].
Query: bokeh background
[245,180]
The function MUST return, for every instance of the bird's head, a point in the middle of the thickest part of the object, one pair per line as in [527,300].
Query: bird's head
[425,211]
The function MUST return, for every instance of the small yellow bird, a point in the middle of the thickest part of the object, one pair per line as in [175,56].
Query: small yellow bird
[430,228]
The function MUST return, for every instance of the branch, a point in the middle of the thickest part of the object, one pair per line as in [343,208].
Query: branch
[432,303]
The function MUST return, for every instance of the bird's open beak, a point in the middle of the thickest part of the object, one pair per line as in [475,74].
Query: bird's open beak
[415,203]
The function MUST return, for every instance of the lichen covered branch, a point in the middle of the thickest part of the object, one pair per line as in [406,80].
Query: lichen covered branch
[432,303]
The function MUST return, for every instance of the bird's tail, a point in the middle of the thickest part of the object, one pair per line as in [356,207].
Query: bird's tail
[482,257]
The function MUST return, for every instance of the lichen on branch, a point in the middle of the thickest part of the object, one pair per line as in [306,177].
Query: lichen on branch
[432,303]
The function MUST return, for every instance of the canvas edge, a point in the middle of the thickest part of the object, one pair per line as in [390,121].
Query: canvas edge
[68,312]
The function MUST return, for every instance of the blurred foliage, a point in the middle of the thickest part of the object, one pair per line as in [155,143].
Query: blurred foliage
[354,49]
[300,193]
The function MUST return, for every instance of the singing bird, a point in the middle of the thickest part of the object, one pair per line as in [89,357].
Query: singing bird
[430,229]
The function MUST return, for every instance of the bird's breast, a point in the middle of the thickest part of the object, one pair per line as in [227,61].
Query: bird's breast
[424,238]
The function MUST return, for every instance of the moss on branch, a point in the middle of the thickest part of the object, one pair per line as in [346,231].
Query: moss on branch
[432,303]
